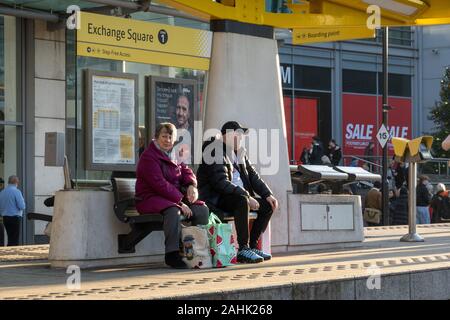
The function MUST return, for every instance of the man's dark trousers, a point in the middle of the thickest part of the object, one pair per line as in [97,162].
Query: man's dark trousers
[12,226]
[239,207]
[2,233]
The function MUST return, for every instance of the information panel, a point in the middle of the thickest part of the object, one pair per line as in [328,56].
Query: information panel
[111,120]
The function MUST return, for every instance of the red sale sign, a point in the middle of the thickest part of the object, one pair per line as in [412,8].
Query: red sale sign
[362,117]
[304,113]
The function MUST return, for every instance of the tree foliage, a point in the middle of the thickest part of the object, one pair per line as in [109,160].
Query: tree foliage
[440,115]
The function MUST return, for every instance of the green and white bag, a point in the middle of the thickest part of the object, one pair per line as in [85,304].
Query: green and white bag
[221,242]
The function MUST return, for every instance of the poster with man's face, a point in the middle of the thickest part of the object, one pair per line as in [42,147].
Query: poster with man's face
[175,101]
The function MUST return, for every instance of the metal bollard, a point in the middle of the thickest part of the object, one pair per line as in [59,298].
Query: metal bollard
[412,235]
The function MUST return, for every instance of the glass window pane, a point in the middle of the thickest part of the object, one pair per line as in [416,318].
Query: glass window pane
[356,81]
[8,69]
[399,85]
[312,78]
[75,133]
[9,150]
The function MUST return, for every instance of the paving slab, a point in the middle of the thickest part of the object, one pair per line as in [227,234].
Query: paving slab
[407,271]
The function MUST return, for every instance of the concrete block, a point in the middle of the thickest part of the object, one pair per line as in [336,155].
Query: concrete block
[393,287]
[332,290]
[297,236]
[429,285]
[43,125]
[47,179]
[50,98]
[268,293]
[85,231]
[50,59]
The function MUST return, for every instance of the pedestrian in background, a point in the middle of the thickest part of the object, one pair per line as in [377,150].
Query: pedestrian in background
[334,152]
[423,201]
[316,152]
[440,204]
[12,205]
[400,212]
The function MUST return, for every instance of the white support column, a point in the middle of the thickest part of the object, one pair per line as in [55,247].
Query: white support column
[244,85]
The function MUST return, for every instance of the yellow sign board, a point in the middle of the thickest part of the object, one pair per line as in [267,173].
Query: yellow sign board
[311,35]
[115,38]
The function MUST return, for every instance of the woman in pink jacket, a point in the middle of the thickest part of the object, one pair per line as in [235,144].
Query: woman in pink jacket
[168,188]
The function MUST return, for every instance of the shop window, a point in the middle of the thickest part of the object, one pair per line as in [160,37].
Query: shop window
[399,85]
[8,73]
[9,152]
[356,81]
[312,78]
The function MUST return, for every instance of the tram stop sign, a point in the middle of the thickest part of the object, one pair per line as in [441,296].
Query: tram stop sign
[383,136]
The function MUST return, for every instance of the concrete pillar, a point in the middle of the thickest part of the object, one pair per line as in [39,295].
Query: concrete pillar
[49,111]
[244,85]
[10,82]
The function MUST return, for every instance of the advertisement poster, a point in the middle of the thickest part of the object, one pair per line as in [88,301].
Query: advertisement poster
[112,121]
[174,101]
[362,118]
[305,124]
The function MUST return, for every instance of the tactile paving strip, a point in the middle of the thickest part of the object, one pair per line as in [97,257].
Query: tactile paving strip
[239,276]
[23,253]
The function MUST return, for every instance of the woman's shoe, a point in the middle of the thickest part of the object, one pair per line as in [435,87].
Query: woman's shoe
[173,259]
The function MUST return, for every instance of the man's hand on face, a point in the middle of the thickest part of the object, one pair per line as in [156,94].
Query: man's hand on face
[254,205]
[192,194]
[273,202]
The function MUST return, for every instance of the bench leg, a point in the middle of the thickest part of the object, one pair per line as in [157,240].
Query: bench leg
[127,242]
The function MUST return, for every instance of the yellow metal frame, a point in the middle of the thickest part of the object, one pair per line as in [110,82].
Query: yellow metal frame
[315,13]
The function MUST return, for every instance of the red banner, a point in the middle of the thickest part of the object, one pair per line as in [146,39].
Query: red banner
[362,118]
[305,124]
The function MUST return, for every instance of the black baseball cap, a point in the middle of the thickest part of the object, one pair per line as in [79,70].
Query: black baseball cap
[232,125]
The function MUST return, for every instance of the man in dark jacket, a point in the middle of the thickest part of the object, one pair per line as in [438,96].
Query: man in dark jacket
[228,181]
[423,201]
[400,208]
[334,153]
[316,152]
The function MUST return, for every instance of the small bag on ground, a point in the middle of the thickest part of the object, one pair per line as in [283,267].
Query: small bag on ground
[196,247]
[221,242]
[372,215]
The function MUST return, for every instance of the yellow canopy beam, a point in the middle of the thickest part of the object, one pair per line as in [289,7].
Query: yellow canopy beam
[320,13]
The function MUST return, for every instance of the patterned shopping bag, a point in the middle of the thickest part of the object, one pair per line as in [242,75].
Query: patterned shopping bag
[221,242]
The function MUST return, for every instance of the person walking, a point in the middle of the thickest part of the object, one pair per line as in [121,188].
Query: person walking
[12,205]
